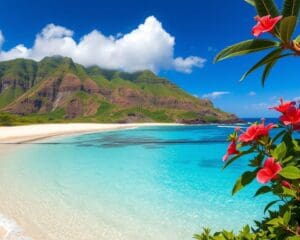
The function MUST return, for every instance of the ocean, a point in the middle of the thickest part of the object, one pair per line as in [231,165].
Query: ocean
[150,183]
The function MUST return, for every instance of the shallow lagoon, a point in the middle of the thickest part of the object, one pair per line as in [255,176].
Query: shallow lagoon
[155,183]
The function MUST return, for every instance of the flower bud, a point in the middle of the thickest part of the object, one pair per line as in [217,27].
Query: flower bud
[286,184]
[296,46]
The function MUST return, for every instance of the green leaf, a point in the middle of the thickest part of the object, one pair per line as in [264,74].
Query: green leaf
[244,180]
[297,40]
[270,204]
[245,47]
[288,192]
[288,140]
[267,71]
[243,153]
[287,217]
[287,28]
[276,221]
[296,144]
[263,190]
[268,58]
[251,2]
[277,136]
[293,238]
[290,172]
[266,7]
[287,160]
[256,162]
[279,152]
[291,8]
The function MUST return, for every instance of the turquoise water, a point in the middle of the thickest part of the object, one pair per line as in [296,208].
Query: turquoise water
[158,183]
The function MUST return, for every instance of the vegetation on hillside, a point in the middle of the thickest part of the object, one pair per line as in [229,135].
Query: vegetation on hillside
[58,90]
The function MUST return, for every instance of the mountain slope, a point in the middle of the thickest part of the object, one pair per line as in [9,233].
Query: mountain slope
[57,89]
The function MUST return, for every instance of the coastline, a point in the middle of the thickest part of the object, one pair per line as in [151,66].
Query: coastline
[27,133]
[11,135]
[16,226]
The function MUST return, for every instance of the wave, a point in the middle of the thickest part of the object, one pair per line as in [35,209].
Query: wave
[13,230]
[230,126]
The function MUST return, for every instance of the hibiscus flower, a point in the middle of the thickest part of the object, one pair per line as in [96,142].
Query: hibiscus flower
[269,171]
[255,131]
[231,150]
[265,24]
[284,106]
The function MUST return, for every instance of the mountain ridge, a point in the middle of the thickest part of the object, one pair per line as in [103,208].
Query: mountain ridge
[57,89]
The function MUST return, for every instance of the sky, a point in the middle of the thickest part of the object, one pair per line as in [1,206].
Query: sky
[175,39]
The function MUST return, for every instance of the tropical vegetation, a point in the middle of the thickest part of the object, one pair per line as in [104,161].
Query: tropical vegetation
[273,149]
[280,43]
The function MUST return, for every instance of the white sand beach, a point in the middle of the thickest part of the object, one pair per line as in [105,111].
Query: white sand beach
[19,134]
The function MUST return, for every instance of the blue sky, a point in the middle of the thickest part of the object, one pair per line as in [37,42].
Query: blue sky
[190,32]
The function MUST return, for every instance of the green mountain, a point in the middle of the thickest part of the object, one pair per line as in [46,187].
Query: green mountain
[58,90]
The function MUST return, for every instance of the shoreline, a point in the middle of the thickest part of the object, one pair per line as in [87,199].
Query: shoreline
[28,133]
[12,135]
[14,225]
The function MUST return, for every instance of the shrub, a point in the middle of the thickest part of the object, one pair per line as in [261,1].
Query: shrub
[275,160]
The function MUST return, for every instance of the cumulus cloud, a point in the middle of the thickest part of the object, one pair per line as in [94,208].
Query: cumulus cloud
[186,64]
[214,95]
[148,46]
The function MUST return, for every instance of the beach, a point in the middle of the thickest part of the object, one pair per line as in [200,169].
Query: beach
[118,182]
[11,135]
[21,134]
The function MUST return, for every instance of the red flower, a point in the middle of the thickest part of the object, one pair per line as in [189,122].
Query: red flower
[284,106]
[230,150]
[286,184]
[255,131]
[265,24]
[269,171]
[291,117]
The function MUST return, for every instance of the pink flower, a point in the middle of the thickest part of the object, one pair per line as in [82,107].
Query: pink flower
[265,24]
[255,131]
[291,117]
[284,106]
[231,150]
[269,171]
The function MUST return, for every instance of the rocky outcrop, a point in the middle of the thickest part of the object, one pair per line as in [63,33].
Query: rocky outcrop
[90,86]
[74,109]
[70,83]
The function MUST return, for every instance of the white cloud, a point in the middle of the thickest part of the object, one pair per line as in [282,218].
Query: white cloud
[19,51]
[252,93]
[148,46]
[52,31]
[214,95]
[186,64]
